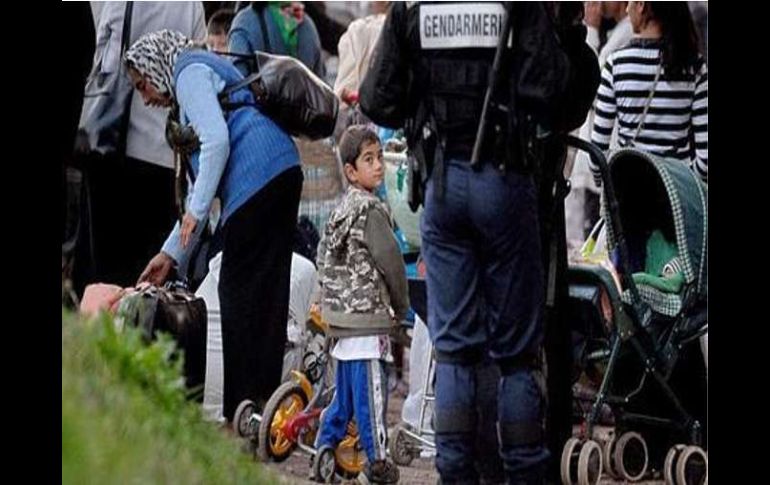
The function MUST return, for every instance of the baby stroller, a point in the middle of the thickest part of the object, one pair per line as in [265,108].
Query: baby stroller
[636,323]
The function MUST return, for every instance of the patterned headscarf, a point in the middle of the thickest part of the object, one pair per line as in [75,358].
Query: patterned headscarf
[154,55]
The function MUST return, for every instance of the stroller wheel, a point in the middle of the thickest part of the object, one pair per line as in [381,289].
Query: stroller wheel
[399,448]
[324,465]
[692,466]
[631,456]
[242,419]
[669,465]
[569,460]
[608,448]
[590,463]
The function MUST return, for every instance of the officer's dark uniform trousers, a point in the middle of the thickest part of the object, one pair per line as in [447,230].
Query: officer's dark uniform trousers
[481,245]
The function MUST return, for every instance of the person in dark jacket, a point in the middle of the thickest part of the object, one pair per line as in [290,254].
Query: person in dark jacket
[481,237]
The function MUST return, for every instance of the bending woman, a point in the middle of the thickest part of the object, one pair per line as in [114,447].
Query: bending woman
[252,165]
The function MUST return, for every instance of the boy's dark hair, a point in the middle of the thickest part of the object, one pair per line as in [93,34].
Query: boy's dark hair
[220,21]
[352,142]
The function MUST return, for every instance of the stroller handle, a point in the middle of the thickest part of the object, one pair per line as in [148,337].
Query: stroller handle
[600,160]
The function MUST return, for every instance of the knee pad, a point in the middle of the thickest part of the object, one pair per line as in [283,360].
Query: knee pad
[520,433]
[466,357]
[455,419]
[521,362]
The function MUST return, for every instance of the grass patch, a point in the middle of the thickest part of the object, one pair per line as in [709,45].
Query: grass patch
[126,419]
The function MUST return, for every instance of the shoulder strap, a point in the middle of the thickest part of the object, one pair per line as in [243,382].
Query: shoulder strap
[125,42]
[225,94]
[126,36]
[265,37]
[648,103]
[235,87]
[189,58]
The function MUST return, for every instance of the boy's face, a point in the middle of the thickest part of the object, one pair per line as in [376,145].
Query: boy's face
[369,170]
[217,42]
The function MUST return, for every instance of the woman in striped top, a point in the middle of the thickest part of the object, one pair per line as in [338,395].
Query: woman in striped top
[665,47]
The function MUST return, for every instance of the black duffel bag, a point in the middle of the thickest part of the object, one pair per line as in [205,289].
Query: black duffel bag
[174,310]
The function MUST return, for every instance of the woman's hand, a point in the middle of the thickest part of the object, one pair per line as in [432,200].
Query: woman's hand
[157,270]
[188,228]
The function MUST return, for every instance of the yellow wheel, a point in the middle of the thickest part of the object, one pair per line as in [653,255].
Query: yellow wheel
[286,402]
[349,455]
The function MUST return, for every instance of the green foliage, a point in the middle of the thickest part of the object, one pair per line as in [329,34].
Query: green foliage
[126,419]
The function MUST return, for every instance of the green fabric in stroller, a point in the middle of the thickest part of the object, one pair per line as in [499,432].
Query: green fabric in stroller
[663,206]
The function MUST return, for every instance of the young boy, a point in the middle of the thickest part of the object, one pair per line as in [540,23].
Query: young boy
[219,26]
[363,296]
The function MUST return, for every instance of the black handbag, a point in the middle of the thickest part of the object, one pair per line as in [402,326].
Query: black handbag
[107,100]
[174,310]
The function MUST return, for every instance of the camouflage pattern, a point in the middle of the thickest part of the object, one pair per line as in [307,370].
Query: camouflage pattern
[355,296]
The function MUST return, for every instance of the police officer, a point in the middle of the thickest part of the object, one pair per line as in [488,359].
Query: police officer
[480,228]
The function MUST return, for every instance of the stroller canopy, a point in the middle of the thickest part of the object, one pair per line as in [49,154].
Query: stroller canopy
[658,194]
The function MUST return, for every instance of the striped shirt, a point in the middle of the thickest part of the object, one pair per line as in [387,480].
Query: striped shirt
[676,107]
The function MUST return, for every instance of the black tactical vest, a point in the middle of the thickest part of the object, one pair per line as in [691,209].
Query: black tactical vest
[451,72]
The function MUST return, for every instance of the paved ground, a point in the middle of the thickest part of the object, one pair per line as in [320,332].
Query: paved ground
[420,472]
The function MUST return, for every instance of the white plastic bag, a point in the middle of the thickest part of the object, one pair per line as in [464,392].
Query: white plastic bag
[303,277]
[419,359]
